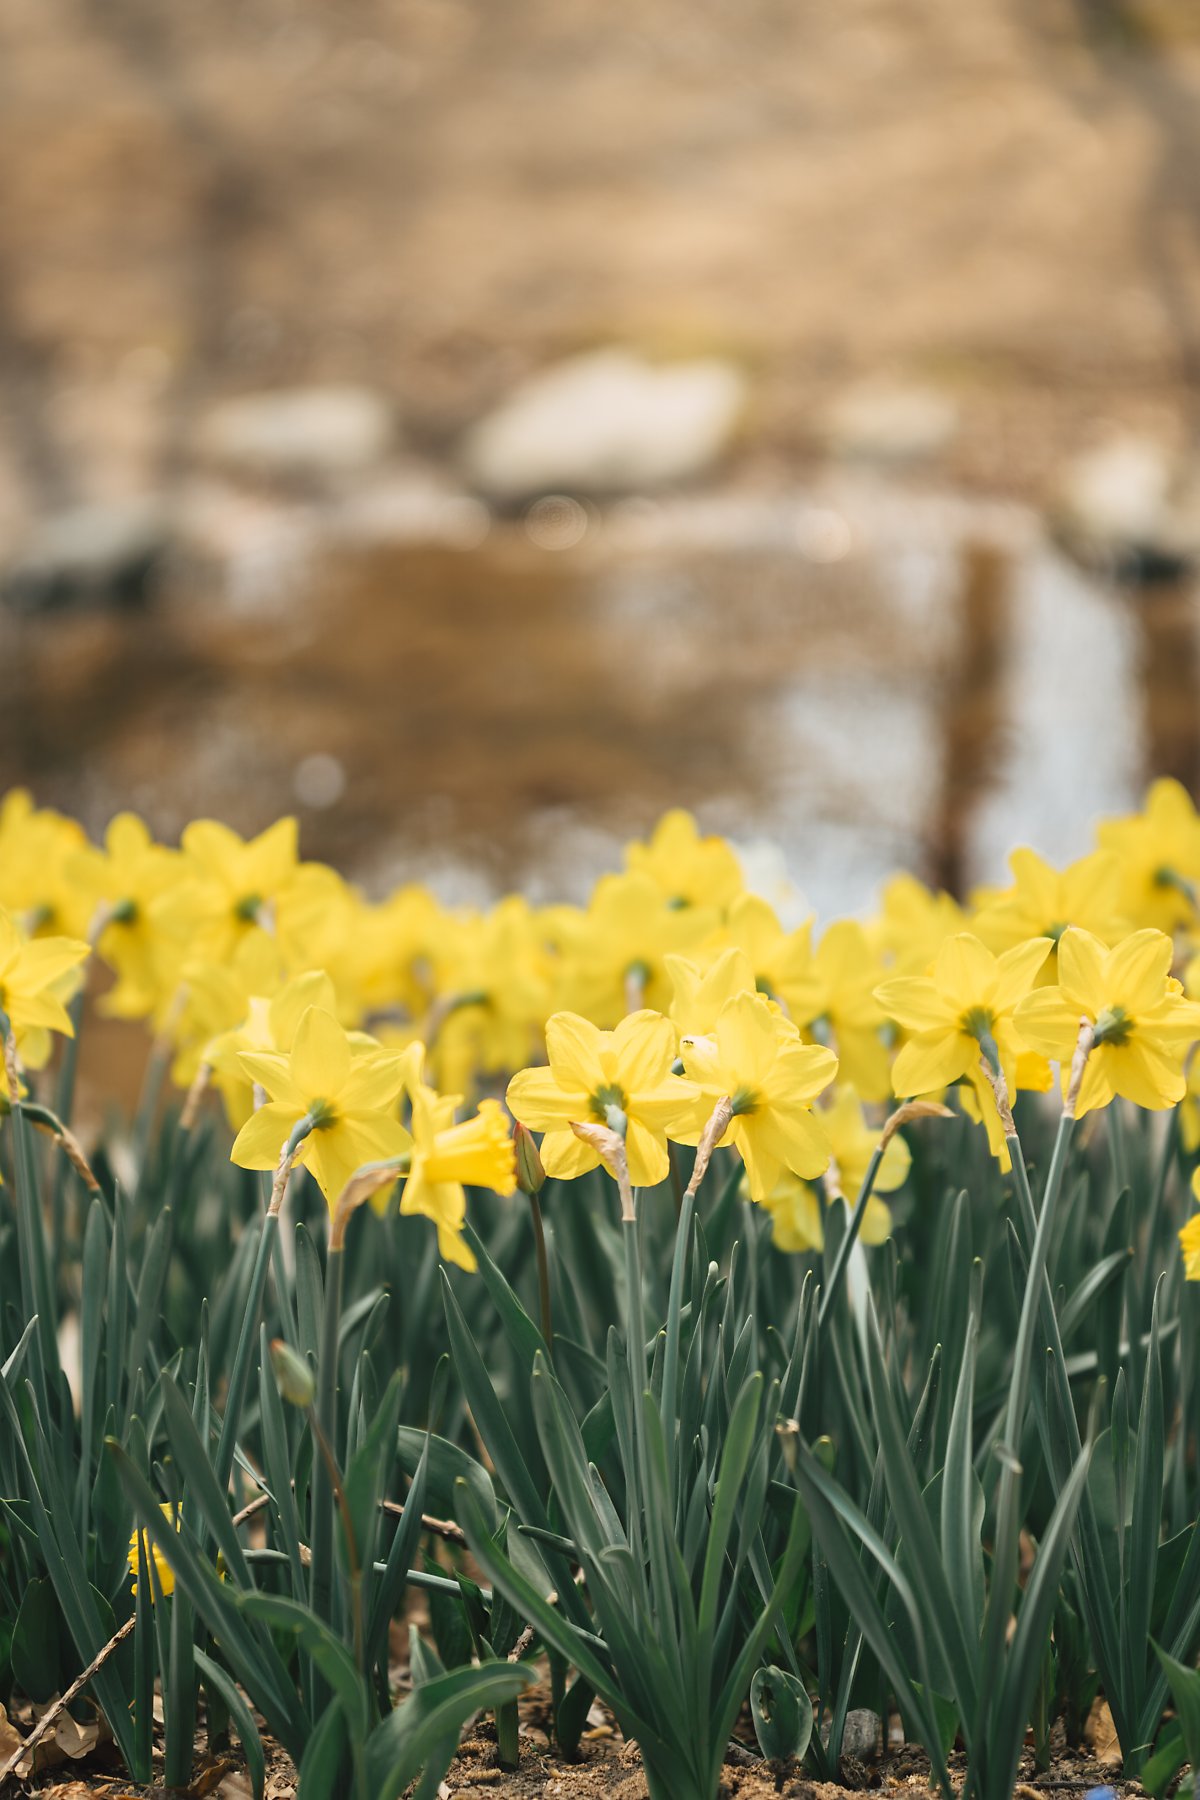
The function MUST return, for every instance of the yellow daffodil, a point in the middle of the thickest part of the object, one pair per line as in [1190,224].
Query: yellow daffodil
[687,869]
[164,1574]
[913,924]
[233,885]
[38,848]
[1189,1237]
[845,1009]
[477,1152]
[962,1011]
[700,993]
[613,954]
[32,976]
[1044,900]
[213,996]
[269,1024]
[622,1075]
[782,960]
[123,882]
[350,1099]
[1158,851]
[756,1059]
[796,1219]
[1143,1024]
[853,1142]
[795,1211]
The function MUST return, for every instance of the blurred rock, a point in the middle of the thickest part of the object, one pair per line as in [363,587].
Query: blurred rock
[102,552]
[309,436]
[891,422]
[861,1737]
[1133,504]
[608,422]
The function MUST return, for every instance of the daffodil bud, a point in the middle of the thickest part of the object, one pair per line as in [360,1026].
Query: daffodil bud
[531,1176]
[293,1376]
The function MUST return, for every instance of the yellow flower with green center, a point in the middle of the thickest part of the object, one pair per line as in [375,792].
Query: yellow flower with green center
[613,954]
[164,1575]
[688,870]
[1043,901]
[270,1024]
[1159,854]
[782,960]
[756,1059]
[123,882]
[350,1099]
[959,1013]
[620,1078]
[446,1157]
[845,1010]
[35,973]
[1143,1024]
[232,885]
[38,848]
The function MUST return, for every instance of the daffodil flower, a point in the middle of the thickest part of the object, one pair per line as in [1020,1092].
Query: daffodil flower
[620,1078]
[1142,1023]
[34,973]
[757,1061]
[164,1574]
[960,1014]
[1158,851]
[349,1100]
[1043,901]
[446,1157]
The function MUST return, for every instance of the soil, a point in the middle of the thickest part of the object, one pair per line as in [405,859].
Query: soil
[608,1768]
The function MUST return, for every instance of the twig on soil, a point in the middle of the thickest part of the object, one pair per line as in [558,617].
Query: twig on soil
[50,1717]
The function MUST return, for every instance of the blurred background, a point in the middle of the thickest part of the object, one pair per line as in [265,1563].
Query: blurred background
[476,427]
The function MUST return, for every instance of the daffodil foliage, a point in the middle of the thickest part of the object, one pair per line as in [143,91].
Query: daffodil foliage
[688,1303]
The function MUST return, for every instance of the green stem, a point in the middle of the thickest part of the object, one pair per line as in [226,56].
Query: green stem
[1157,1202]
[670,1385]
[64,1102]
[321,1582]
[157,1064]
[1116,1144]
[850,1235]
[37,1285]
[248,1331]
[543,1271]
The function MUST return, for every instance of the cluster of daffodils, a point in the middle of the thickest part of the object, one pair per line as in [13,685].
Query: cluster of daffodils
[674,1008]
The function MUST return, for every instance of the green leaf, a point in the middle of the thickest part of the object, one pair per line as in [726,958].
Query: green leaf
[1160,1769]
[431,1718]
[1185,1692]
[318,1642]
[325,1757]
[519,1328]
[36,1653]
[247,1730]
[782,1714]
[446,1465]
